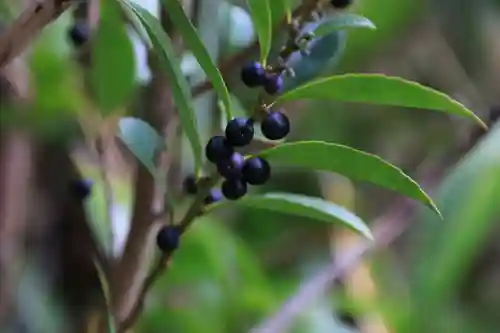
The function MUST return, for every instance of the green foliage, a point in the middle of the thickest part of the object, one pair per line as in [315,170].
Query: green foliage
[305,206]
[193,41]
[349,162]
[342,21]
[164,49]
[141,139]
[262,20]
[379,89]
[113,63]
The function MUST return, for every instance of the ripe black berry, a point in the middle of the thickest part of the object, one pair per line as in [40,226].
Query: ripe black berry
[253,74]
[231,168]
[239,132]
[82,188]
[214,196]
[168,238]
[234,189]
[273,84]
[190,185]
[275,125]
[256,171]
[79,33]
[340,4]
[218,149]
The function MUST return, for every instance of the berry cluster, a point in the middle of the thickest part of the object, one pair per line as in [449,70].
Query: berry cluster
[254,75]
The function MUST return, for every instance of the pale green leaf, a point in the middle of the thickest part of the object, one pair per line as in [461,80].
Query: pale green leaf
[305,206]
[342,21]
[348,162]
[260,10]
[379,89]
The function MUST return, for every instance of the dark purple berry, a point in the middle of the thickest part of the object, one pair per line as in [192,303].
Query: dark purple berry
[168,238]
[275,125]
[253,74]
[273,84]
[79,33]
[239,132]
[234,189]
[231,168]
[340,4]
[82,188]
[218,149]
[256,171]
[190,185]
[214,196]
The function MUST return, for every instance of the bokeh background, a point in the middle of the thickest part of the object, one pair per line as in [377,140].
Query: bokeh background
[236,268]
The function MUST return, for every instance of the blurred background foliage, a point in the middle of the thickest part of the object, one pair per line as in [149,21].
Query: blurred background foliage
[235,268]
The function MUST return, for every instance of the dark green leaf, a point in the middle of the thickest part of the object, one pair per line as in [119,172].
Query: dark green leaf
[193,41]
[113,62]
[349,162]
[342,21]
[162,46]
[141,139]
[379,89]
[301,205]
[262,20]
[324,52]
[279,8]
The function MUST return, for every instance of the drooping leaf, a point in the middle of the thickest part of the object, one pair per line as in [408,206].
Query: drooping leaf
[260,11]
[342,21]
[113,62]
[324,52]
[379,89]
[279,8]
[305,206]
[141,139]
[193,41]
[163,48]
[348,162]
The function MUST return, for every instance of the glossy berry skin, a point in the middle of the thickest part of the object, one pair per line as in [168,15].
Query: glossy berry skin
[275,125]
[340,4]
[190,185]
[253,74]
[273,84]
[168,238]
[234,189]
[79,33]
[82,188]
[231,168]
[214,196]
[239,132]
[218,149]
[256,171]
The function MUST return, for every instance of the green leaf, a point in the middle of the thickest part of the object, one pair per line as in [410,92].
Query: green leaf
[279,8]
[260,10]
[162,46]
[349,162]
[112,71]
[301,205]
[141,139]
[342,21]
[193,41]
[379,89]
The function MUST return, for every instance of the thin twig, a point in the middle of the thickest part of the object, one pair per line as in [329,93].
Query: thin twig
[28,25]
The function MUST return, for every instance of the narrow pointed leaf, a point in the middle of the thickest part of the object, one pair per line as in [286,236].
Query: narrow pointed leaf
[193,41]
[112,71]
[279,8]
[163,48]
[379,89]
[305,206]
[342,21]
[260,10]
[141,139]
[348,162]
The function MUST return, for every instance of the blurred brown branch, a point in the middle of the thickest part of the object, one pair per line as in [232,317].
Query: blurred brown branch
[30,23]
